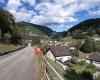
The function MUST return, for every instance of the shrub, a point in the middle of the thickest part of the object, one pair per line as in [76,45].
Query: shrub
[68,63]
[87,75]
[74,60]
[89,71]
[75,53]
[98,78]
[81,63]
[15,39]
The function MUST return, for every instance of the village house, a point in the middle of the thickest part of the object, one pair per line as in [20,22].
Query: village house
[61,53]
[26,42]
[94,58]
[96,39]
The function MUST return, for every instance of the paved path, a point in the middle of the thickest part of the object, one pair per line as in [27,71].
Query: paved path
[21,65]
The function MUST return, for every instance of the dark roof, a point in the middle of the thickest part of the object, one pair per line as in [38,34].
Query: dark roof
[95,56]
[60,51]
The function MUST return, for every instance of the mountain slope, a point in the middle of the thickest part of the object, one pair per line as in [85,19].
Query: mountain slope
[35,29]
[94,23]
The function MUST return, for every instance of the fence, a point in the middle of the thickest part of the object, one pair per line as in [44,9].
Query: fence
[49,77]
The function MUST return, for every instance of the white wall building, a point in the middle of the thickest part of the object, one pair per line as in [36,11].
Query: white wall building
[94,58]
[61,53]
[96,39]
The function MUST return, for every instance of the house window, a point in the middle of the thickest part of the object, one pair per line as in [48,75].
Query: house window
[96,62]
[68,58]
[60,59]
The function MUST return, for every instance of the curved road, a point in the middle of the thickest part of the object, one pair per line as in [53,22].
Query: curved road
[21,65]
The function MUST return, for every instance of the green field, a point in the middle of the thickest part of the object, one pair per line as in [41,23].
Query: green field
[7,47]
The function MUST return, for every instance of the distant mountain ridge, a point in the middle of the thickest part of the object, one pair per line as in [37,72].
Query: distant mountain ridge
[83,26]
[86,27]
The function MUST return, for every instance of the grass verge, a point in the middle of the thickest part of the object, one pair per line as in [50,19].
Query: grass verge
[7,47]
[41,68]
[58,68]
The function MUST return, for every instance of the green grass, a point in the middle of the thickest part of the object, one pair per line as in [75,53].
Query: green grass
[67,39]
[68,75]
[75,73]
[42,68]
[57,67]
[98,78]
[52,73]
[71,75]
[78,68]
[28,29]
[82,55]
[7,47]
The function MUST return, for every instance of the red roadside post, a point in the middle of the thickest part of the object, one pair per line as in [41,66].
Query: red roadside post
[37,51]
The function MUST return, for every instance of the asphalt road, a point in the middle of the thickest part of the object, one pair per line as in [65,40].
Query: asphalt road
[21,65]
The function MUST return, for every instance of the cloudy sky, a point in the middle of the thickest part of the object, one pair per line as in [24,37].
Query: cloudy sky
[60,15]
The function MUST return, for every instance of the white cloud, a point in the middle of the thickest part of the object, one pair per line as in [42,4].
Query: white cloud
[94,12]
[88,5]
[64,2]
[60,27]
[71,19]
[24,10]
[62,11]
[40,20]
[13,4]
[31,2]
[44,20]
[21,16]
[2,1]
[50,9]
[56,12]
[63,27]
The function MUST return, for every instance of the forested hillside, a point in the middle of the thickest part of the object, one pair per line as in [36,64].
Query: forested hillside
[94,23]
[89,27]
[88,34]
